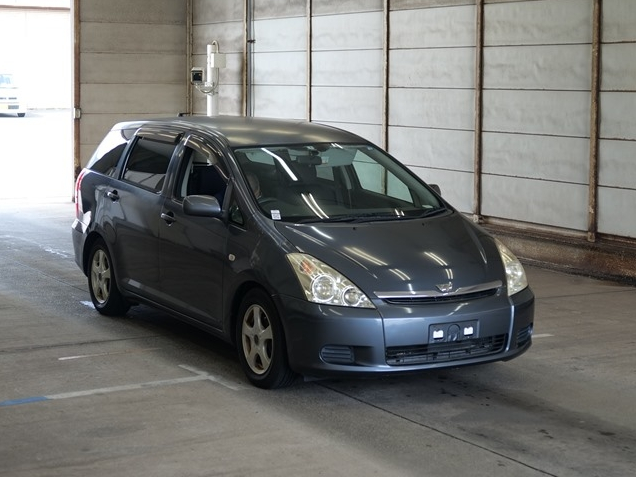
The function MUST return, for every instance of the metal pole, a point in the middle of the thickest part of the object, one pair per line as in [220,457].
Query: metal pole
[212,105]
[479,86]
[385,79]
[77,112]
[248,109]
[592,216]
[245,46]
[309,52]
[189,41]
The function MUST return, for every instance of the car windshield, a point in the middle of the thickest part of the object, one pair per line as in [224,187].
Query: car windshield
[334,183]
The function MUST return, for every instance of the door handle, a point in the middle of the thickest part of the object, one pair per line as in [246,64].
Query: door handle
[168,217]
[113,195]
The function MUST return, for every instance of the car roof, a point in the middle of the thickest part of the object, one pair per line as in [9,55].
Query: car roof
[241,131]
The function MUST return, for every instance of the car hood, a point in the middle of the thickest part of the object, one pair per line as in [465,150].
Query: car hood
[441,254]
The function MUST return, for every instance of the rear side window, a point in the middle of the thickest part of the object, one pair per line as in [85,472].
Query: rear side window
[108,153]
[148,163]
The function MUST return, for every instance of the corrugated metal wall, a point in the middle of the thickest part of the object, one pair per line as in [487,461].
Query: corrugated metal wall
[535,145]
[347,66]
[432,95]
[617,155]
[537,64]
[132,63]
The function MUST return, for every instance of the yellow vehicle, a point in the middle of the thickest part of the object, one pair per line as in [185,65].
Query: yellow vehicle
[10,98]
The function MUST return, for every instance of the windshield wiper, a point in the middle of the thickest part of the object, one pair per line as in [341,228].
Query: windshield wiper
[371,217]
[362,217]
[433,212]
[381,217]
[329,219]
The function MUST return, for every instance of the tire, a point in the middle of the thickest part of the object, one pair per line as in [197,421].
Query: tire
[261,342]
[102,284]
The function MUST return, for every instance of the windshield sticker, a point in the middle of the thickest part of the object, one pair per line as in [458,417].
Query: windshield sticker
[275,213]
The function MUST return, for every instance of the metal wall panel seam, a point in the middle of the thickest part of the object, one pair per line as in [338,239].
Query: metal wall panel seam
[77,110]
[479,86]
[189,51]
[247,52]
[309,57]
[386,73]
[592,218]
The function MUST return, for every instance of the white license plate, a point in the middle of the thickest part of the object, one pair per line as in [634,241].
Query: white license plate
[453,332]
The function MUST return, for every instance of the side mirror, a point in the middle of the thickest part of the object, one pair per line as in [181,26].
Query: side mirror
[203,206]
[436,188]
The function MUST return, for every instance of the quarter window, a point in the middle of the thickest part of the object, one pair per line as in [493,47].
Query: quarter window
[108,154]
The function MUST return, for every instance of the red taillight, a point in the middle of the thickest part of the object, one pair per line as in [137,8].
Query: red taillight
[78,195]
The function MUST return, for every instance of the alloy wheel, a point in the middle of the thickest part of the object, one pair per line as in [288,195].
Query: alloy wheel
[258,339]
[101,276]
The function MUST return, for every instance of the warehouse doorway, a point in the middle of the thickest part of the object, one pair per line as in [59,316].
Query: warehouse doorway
[36,159]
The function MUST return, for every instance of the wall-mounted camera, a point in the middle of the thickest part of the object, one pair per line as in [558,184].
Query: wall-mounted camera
[206,80]
[196,76]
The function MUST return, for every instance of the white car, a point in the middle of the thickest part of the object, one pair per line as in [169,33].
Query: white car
[10,97]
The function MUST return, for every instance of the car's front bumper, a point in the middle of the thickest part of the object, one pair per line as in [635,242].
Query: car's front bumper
[329,341]
[12,108]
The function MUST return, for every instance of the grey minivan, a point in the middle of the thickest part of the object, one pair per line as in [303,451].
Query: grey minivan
[312,250]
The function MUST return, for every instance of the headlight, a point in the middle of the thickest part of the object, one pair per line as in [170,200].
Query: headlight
[515,274]
[325,285]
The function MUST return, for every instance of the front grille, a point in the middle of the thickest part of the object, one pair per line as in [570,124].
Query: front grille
[441,298]
[445,352]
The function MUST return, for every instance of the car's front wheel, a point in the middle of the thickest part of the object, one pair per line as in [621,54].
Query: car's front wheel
[261,342]
[102,283]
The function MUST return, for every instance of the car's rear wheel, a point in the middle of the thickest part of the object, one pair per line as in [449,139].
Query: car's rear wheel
[261,342]
[102,283]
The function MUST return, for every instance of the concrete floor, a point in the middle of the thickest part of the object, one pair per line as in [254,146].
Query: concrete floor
[81,394]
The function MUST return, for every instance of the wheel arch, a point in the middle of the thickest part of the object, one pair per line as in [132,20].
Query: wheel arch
[235,304]
[278,372]
[91,239]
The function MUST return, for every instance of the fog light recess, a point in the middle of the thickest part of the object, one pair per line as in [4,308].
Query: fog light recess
[337,354]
